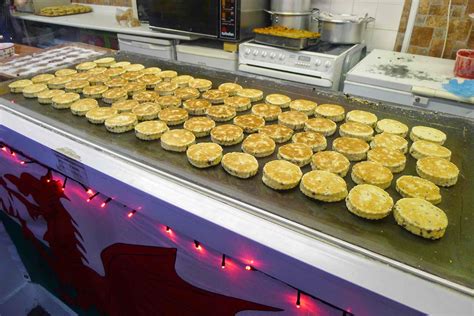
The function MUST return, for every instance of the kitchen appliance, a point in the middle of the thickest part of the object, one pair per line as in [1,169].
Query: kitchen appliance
[226,20]
[399,78]
[292,6]
[343,28]
[149,46]
[297,14]
[322,65]
[300,21]
[209,53]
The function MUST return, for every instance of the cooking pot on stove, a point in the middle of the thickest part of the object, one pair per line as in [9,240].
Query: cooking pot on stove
[343,28]
[300,20]
[291,6]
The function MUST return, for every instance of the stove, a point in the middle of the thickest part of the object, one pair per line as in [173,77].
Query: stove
[323,65]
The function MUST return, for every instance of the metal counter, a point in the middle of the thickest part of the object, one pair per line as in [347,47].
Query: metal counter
[450,258]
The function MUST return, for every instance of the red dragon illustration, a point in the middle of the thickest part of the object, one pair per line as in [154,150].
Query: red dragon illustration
[138,280]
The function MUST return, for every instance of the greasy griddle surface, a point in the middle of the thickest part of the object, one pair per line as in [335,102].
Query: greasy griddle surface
[451,258]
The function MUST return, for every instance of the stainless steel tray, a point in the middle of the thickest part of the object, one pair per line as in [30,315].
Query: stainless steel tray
[285,42]
[450,258]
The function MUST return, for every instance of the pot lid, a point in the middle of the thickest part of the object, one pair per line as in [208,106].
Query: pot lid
[344,18]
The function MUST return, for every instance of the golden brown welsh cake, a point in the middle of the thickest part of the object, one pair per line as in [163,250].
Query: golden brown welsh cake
[177,140]
[250,123]
[416,187]
[281,175]
[320,125]
[199,126]
[422,148]
[316,141]
[421,218]
[438,170]
[369,202]
[297,153]
[333,112]
[280,100]
[258,145]
[331,161]
[279,133]
[240,165]
[150,130]
[266,111]
[392,159]
[369,172]
[204,155]
[392,127]
[354,149]
[323,186]
[305,106]
[428,134]
[227,134]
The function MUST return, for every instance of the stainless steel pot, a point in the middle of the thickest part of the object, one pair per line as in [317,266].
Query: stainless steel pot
[301,21]
[291,6]
[343,28]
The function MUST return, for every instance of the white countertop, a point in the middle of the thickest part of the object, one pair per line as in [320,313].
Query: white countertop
[102,19]
[402,71]
[416,74]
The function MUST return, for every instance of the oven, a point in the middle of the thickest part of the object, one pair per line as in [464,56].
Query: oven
[226,20]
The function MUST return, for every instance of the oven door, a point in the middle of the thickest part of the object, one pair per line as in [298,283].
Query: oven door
[200,17]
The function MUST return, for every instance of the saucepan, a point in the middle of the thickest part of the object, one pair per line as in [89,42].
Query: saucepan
[343,28]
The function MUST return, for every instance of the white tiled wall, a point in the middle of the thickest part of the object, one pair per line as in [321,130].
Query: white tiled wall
[387,13]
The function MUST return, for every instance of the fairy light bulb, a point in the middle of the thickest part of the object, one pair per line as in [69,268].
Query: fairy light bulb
[223,261]
[130,215]
[105,202]
[197,245]
[64,184]
[298,299]
[92,197]
[168,229]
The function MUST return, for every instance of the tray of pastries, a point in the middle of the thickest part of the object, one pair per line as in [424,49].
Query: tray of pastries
[282,36]
[65,10]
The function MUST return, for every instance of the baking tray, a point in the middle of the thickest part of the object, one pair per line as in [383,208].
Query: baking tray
[450,258]
[46,64]
[285,42]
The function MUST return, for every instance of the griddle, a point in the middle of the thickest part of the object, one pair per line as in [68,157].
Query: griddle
[451,258]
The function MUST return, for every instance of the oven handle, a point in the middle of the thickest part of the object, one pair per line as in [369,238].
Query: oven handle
[320,82]
[143,45]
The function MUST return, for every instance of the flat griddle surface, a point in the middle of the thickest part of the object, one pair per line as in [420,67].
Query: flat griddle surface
[451,257]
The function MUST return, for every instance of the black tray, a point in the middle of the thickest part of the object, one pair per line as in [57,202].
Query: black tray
[451,258]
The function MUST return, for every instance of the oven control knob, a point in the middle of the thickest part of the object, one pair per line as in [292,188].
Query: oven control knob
[282,57]
[264,54]
[317,62]
[327,64]
[273,55]
[255,52]
[247,51]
